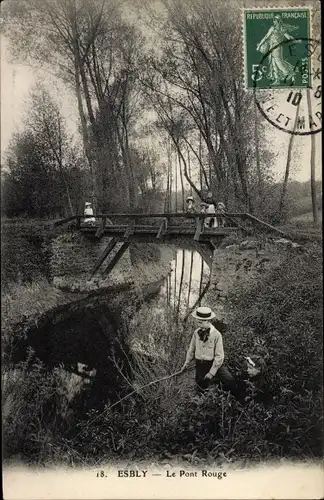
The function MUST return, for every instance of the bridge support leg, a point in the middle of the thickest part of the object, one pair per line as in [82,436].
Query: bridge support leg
[111,245]
[101,227]
[116,257]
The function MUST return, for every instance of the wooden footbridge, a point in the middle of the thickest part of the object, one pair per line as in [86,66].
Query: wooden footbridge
[168,228]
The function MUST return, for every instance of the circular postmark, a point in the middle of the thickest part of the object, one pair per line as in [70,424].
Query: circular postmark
[289,107]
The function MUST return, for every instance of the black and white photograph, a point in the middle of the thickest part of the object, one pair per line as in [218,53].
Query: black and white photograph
[161,249]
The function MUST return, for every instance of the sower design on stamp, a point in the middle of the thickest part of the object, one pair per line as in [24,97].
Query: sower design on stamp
[283,65]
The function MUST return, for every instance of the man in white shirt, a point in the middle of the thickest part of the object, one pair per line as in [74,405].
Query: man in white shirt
[206,347]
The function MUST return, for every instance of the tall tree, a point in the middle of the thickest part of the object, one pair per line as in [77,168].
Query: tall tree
[196,88]
[288,162]
[89,46]
[312,164]
[45,121]
[42,162]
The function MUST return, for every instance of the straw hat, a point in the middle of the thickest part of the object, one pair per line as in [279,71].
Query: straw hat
[190,198]
[203,313]
[87,203]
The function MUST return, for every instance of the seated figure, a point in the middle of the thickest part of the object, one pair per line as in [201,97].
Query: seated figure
[259,385]
[88,210]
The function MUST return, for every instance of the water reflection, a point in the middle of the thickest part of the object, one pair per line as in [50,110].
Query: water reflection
[185,285]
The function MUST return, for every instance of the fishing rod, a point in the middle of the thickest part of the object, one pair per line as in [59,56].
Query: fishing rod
[138,389]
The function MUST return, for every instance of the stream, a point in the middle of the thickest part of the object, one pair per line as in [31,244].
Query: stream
[184,285]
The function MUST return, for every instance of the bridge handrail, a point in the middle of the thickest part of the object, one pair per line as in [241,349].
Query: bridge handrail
[169,215]
[266,225]
[181,215]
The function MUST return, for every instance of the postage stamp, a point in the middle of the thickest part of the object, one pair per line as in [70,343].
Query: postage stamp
[271,62]
[292,110]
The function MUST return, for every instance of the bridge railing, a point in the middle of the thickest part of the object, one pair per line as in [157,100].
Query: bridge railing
[241,220]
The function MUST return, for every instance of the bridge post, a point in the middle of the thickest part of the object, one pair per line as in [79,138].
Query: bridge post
[162,229]
[199,228]
[116,257]
[129,231]
[111,245]
[101,227]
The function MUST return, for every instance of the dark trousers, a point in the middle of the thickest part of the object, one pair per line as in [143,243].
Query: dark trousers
[223,375]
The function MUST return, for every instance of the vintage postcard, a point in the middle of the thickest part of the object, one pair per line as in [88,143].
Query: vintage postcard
[161,224]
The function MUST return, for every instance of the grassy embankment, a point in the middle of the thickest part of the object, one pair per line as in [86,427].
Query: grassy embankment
[281,315]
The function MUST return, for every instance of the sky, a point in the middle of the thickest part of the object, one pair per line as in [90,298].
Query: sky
[17,80]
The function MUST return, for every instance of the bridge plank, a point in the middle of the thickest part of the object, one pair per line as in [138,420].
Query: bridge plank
[173,231]
[116,257]
[111,245]
[129,231]
[163,215]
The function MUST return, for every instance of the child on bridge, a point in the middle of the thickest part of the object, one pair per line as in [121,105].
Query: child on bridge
[88,210]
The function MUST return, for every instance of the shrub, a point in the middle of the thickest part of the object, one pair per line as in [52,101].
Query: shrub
[35,411]
[25,250]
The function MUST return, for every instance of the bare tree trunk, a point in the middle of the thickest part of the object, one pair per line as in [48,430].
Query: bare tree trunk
[200,172]
[287,171]
[85,136]
[171,177]
[167,196]
[124,146]
[175,282]
[312,165]
[257,150]
[67,189]
[181,282]
[201,276]
[176,184]
[190,279]
[189,172]
[182,185]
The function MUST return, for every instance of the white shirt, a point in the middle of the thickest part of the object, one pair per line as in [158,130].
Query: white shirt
[212,349]
[89,211]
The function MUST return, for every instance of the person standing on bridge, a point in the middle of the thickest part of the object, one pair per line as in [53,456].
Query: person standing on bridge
[190,205]
[220,211]
[212,221]
[206,347]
